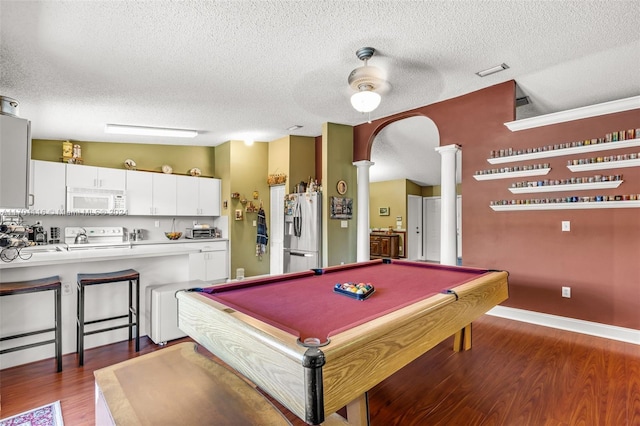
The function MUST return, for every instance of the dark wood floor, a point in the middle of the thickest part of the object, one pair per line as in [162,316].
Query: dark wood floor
[515,374]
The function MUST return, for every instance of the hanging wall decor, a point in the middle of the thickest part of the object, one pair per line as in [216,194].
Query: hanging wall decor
[341,208]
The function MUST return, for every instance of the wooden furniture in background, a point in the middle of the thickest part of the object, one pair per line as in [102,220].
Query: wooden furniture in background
[384,245]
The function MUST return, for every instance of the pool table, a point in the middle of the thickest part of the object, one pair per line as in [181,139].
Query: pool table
[259,326]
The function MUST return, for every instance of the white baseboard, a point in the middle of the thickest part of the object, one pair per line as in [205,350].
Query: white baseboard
[622,334]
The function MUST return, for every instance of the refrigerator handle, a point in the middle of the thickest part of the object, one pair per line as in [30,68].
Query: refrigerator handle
[293,253]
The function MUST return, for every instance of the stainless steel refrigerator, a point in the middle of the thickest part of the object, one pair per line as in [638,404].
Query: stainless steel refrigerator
[302,232]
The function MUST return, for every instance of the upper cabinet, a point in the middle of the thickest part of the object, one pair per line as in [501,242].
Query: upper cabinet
[139,197]
[15,153]
[47,187]
[150,194]
[95,177]
[198,196]
[164,194]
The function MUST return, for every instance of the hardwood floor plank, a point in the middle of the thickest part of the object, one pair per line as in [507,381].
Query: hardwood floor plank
[515,374]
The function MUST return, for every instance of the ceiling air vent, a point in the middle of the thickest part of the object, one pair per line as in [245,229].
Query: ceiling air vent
[522,101]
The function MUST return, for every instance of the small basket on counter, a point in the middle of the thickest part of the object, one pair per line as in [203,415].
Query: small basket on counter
[173,235]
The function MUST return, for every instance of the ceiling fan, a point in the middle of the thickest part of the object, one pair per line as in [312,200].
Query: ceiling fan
[367,81]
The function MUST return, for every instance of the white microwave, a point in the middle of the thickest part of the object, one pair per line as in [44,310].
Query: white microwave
[96,201]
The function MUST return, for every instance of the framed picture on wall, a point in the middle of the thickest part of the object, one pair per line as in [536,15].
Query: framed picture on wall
[384,211]
[341,208]
[239,215]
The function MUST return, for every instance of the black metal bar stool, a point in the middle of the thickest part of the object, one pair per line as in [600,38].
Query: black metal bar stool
[33,286]
[85,280]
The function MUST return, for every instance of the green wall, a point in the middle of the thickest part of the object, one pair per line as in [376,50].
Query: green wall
[247,171]
[148,157]
[337,164]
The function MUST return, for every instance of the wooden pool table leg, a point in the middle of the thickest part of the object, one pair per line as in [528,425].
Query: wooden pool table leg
[462,339]
[358,411]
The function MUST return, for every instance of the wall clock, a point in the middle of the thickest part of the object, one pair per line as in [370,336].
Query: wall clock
[341,187]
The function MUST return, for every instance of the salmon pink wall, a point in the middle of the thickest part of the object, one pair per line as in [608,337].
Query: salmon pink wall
[599,258]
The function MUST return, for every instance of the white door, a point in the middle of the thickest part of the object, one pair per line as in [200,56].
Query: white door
[414,228]
[431,220]
[276,230]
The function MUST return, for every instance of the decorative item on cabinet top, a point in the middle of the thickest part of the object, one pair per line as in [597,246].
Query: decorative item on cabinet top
[569,148]
[276,179]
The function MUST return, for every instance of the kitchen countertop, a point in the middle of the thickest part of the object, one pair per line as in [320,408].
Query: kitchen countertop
[58,253]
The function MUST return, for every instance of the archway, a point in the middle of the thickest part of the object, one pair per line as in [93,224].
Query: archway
[405,150]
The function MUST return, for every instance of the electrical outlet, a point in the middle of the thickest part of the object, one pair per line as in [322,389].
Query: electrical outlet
[566,226]
[67,289]
[157,223]
[566,292]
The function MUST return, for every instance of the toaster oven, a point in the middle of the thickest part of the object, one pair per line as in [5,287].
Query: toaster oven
[200,233]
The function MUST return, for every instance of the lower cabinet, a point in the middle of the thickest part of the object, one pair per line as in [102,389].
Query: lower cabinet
[208,266]
[384,246]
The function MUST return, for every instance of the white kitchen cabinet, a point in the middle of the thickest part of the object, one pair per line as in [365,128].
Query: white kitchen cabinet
[139,196]
[209,196]
[47,187]
[198,196]
[150,194]
[95,177]
[211,264]
[15,152]
[187,196]
[164,194]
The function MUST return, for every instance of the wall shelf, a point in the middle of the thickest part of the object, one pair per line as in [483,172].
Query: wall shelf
[575,114]
[605,165]
[570,206]
[569,187]
[508,175]
[630,143]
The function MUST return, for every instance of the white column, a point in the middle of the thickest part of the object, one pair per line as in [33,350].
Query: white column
[362,238]
[448,236]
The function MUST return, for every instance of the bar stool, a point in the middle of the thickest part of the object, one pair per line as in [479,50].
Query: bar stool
[33,286]
[85,280]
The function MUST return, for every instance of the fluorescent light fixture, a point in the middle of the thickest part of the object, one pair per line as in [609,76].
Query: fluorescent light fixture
[294,127]
[122,129]
[492,70]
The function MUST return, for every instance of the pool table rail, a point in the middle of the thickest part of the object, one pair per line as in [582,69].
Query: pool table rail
[264,354]
[359,359]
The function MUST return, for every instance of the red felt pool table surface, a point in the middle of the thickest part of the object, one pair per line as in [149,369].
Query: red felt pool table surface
[305,305]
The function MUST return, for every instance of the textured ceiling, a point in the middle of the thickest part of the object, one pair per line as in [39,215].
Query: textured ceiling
[239,69]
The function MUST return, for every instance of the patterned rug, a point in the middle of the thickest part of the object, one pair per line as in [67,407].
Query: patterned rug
[47,415]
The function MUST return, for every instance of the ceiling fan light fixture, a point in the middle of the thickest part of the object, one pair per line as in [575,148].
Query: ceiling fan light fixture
[365,100]
[365,80]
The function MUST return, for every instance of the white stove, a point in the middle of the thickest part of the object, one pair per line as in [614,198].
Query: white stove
[97,237]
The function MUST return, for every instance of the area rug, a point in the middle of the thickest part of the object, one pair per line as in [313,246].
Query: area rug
[47,415]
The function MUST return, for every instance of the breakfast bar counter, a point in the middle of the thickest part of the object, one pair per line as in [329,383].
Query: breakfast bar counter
[55,254]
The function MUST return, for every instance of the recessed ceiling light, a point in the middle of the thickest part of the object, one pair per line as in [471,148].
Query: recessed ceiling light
[492,70]
[123,129]
[294,127]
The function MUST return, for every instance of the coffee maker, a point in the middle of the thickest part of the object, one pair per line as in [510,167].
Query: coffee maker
[38,235]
